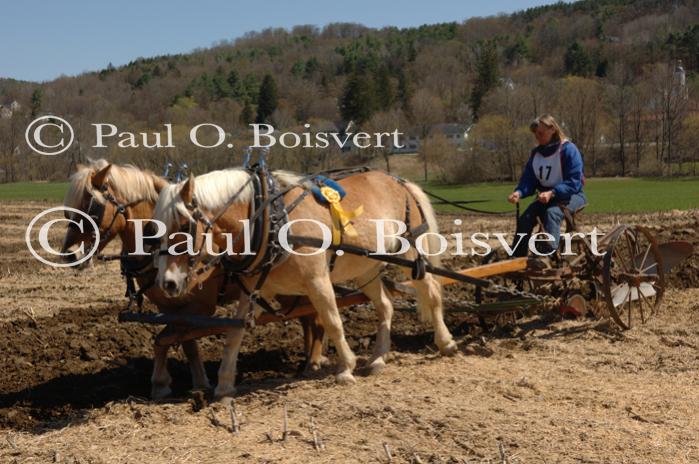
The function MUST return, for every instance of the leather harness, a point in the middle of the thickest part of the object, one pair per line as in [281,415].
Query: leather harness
[267,215]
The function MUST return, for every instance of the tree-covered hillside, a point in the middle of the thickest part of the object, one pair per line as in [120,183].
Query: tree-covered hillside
[608,69]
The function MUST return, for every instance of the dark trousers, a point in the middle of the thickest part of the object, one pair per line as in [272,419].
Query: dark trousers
[551,216]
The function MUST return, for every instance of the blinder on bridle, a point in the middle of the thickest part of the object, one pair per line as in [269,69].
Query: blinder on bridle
[96,211]
[189,228]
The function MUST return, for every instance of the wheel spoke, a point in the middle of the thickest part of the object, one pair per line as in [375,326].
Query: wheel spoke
[633,247]
[650,306]
[645,256]
[630,307]
[643,271]
[640,306]
[622,261]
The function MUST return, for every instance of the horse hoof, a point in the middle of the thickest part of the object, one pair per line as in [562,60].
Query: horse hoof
[160,393]
[345,378]
[449,349]
[222,393]
[376,366]
[311,368]
[307,370]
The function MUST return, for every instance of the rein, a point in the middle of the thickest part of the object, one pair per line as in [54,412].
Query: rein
[129,269]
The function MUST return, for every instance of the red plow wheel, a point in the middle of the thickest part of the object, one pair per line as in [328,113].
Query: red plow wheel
[633,276]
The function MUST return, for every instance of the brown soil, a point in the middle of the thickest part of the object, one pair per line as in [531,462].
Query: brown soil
[74,381]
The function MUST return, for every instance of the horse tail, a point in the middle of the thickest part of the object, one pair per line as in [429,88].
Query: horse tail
[429,290]
[429,216]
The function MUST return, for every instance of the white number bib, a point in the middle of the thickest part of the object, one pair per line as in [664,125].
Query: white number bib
[549,169]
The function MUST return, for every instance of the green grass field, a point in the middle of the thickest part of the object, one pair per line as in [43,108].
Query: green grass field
[49,191]
[605,195]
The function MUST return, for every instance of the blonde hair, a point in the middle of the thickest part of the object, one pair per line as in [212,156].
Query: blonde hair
[549,121]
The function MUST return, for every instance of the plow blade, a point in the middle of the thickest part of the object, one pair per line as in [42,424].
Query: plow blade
[620,293]
[673,253]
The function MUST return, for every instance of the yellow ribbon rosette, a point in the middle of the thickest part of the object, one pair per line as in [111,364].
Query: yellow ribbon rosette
[341,219]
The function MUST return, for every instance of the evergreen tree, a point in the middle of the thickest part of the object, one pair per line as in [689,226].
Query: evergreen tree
[37,96]
[384,89]
[517,52]
[297,68]
[577,61]
[220,85]
[358,100]
[247,115]
[251,87]
[312,66]
[267,101]
[412,51]
[487,75]
[405,90]
[236,85]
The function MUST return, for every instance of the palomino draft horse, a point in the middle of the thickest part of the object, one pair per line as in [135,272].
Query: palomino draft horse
[113,195]
[218,203]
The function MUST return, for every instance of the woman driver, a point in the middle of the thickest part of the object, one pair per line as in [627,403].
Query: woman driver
[555,171]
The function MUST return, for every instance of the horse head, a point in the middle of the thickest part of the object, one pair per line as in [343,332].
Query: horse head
[110,195]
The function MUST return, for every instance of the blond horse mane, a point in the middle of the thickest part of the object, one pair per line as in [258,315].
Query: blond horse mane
[128,182]
[213,190]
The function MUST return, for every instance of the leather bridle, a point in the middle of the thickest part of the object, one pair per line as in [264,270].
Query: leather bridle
[96,210]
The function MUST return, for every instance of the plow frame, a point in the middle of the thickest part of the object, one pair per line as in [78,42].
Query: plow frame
[595,271]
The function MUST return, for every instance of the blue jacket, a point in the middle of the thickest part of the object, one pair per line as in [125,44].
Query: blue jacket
[573,177]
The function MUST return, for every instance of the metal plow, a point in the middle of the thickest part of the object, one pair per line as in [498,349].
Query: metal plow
[626,284]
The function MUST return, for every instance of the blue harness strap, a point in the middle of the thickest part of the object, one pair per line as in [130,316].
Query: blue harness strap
[320,181]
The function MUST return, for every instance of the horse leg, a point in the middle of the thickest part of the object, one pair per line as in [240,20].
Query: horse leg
[313,335]
[376,291]
[322,296]
[160,380]
[199,379]
[429,306]
[306,322]
[229,360]
[318,359]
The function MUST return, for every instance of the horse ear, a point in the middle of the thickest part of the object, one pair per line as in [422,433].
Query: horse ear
[100,176]
[187,191]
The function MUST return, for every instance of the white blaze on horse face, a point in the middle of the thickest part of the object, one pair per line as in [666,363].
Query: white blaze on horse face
[172,276]
[175,280]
